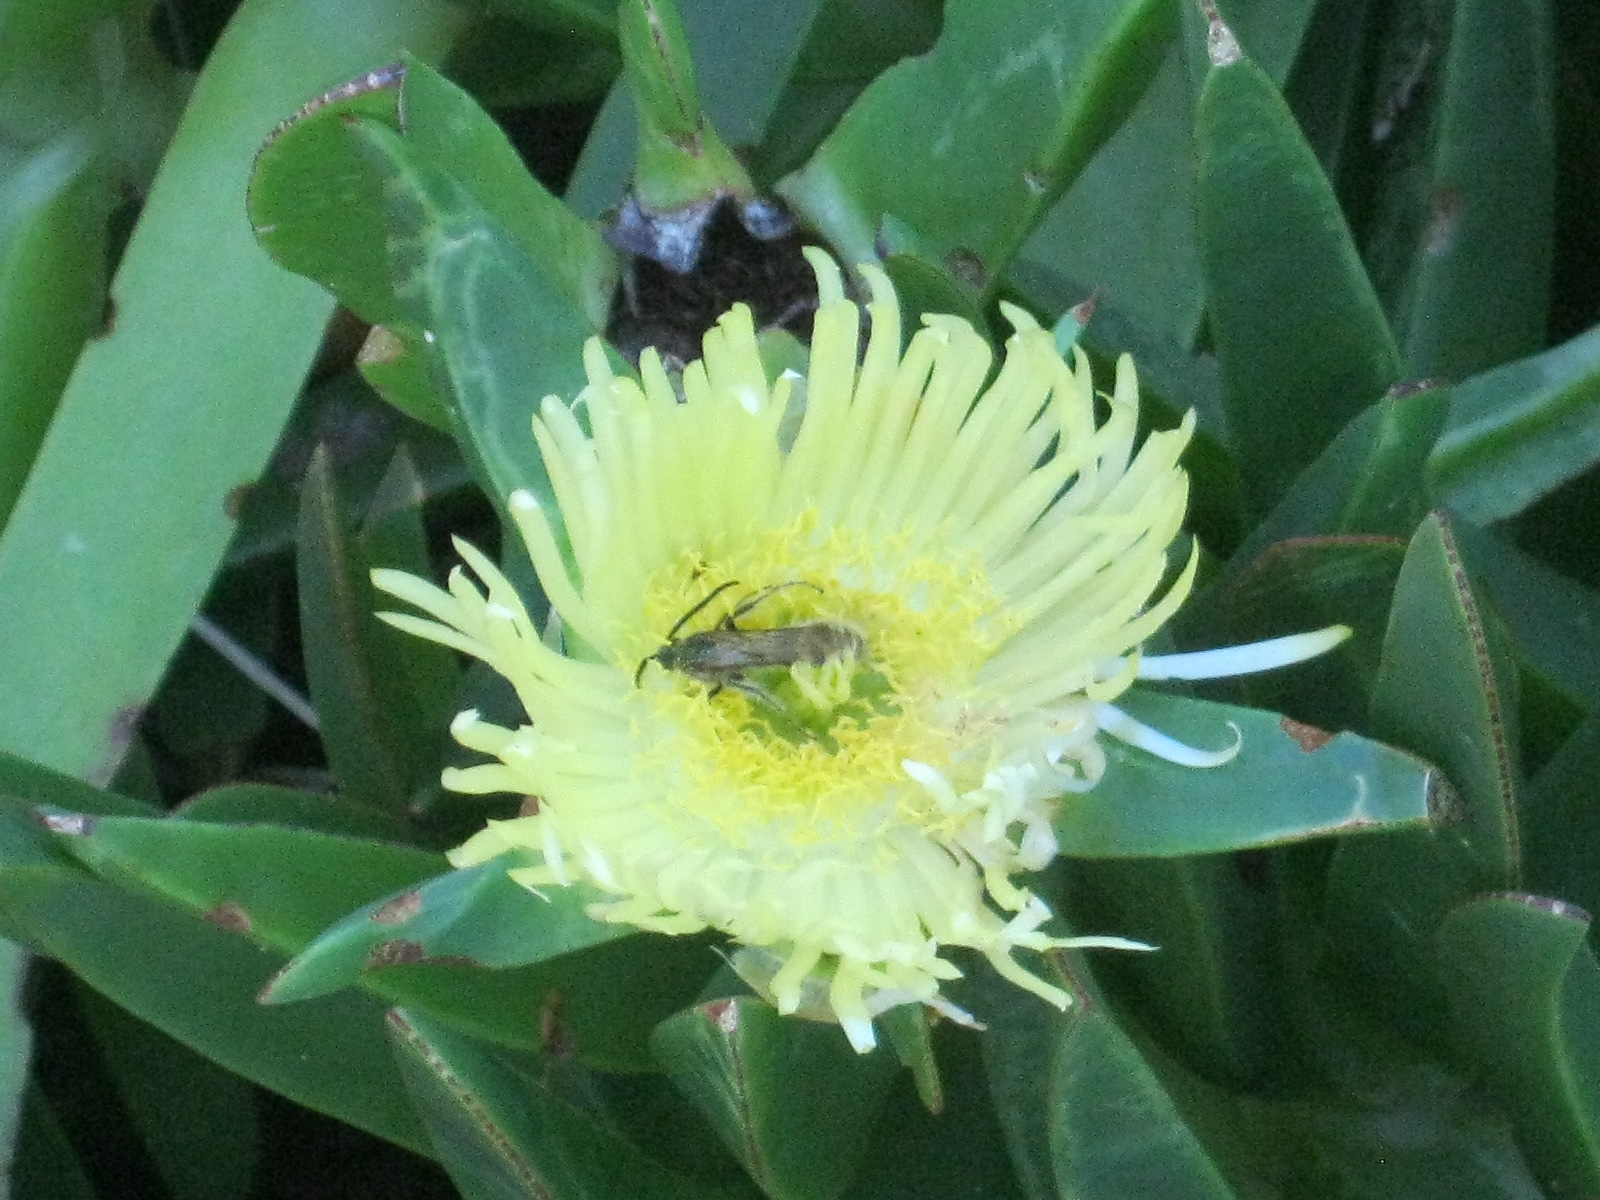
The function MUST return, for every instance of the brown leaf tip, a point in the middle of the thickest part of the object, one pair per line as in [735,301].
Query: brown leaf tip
[725,1013]
[1083,311]
[1222,48]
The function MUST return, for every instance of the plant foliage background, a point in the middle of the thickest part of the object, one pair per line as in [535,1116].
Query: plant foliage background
[1364,247]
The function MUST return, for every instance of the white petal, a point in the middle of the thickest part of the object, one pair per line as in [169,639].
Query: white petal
[1243,660]
[1136,733]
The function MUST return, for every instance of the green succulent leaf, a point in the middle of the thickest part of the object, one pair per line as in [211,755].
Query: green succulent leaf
[315,205]
[504,333]
[1446,689]
[970,144]
[196,1121]
[1524,989]
[1086,1114]
[291,808]
[478,915]
[1461,244]
[909,1028]
[1370,480]
[1139,192]
[281,887]
[478,950]
[414,208]
[1303,342]
[1519,432]
[503,1134]
[1296,584]
[53,210]
[1288,782]
[773,88]
[1541,608]
[209,337]
[789,1097]
[1561,822]
[197,983]
[381,747]
[15,1044]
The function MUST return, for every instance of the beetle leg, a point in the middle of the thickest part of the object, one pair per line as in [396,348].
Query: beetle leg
[754,690]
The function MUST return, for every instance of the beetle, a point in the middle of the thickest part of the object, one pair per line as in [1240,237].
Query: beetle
[721,656]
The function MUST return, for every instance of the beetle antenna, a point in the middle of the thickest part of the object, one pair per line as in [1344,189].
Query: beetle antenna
[690,615]
[751,601]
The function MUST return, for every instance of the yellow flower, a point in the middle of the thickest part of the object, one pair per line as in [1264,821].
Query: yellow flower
[835,647]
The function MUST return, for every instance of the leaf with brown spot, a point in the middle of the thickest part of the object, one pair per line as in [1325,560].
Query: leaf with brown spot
[399,910]
[231,917]
[1309,737]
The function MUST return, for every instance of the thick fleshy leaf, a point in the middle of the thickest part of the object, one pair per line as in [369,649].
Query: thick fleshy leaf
[1560,820]
[380,749]
[1370,480]
[428,691]
[53,212]
[15,1041]
[909,1029]
[789,1097]
[682,160]
[281,887]
[316,206]
[505,331]
[501,963]
[208,337]
[1288,782]
[1139,191]
[197,983]
[816,77]
[991,137]
[477,915]
[1524,990]
[503,1135]
[918,1155]
[1553,621]
[1464,140]
[1394,1126]
[44,1162]
[1301,337]
[1215,985]
[196,1121]
[445,126]
[266,804]
[1086,1115]
[1444,689]
[484,277]
[1518,433]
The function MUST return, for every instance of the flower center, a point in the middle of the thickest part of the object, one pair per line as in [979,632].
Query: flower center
[801,671]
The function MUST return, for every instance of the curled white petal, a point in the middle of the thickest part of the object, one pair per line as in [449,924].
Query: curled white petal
[1226,661]
[1136,733]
